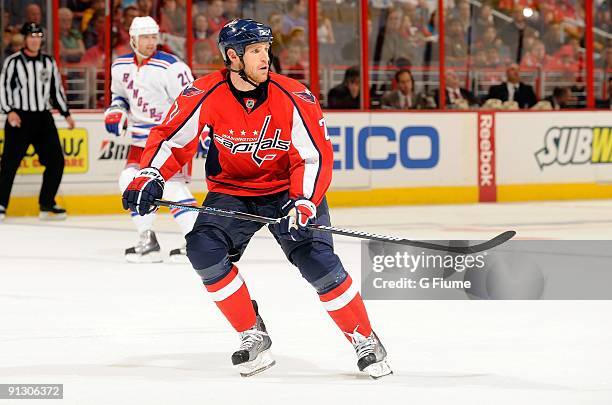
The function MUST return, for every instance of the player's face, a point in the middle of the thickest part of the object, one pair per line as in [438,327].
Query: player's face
[147,44]
[257,61]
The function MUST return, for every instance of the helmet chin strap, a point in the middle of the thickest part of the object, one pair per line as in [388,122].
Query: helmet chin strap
[134,46]
[243,74]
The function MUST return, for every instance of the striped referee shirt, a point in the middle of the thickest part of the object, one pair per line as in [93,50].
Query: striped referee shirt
[31,84]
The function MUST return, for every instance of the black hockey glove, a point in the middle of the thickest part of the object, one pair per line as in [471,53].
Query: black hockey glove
[298,215]
[147,186]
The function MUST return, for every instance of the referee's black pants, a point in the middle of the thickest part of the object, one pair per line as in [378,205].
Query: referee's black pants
[37,129]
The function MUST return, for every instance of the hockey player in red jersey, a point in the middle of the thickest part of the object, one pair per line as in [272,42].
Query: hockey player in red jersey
[269,155]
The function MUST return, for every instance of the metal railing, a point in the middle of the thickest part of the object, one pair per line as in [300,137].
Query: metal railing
[85,85]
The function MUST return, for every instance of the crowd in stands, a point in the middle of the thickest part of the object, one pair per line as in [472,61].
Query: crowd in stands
[490,45]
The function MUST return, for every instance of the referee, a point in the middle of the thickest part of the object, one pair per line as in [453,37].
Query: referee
[30,85]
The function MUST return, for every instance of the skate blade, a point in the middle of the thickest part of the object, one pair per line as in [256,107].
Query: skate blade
[47,216]
[379,370]
[261,363]
[152,257]
[178,259]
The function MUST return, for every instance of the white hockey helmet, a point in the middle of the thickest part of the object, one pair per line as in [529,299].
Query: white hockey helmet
[142,26]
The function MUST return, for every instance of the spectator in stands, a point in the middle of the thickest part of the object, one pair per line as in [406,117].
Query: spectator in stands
[200,27]
[71,46]
[33,14]
[484,20]
[345,96]
[172,18]
[95,30]
[457,97]
[536,58]
[479,58]
[494,59]
[129,13]
[405,97]
[456,45]
[293,64]
[295,17]
[606,103]
[214,12]
[145,7]
[16,43]
[326,39]
[560,98]
[205,53]
[490,39]
[231,9]
[96,55]
[397,40]
[325,31]
[513,89]
[464,15]
[565,60]
[275,21]
[553,38]
[96,5]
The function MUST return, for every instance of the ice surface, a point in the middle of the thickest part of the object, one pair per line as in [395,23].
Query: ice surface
[72,312]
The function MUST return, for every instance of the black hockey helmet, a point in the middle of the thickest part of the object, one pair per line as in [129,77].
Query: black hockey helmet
[239,33]
[31,28]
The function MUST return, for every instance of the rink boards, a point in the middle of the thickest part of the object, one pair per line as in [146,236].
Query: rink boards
[384,158]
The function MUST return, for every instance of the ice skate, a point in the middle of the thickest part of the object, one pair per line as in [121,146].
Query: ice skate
[2,213]
[179,255]
[53,213]
[371,355]
[146,251]
[254,355]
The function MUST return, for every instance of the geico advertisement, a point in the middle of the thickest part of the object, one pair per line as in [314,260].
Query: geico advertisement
[74,146]
[553,147]
[402,149]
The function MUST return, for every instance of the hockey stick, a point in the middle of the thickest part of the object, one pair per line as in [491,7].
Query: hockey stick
[491,243]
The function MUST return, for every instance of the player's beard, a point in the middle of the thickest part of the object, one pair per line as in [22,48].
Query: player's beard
[258,78]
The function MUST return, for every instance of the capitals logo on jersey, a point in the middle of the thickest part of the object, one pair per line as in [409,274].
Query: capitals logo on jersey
[305,95]
[257,147]
[191,91]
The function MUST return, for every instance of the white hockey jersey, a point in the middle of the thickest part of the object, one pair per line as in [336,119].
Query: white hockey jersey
[148,91]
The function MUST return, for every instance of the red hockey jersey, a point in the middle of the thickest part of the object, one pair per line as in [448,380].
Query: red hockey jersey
[276,144]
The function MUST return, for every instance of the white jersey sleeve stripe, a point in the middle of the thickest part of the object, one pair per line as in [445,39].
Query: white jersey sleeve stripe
[308,152]
[185,134]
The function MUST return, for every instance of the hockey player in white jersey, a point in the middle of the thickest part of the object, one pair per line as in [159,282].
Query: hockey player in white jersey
[144,86]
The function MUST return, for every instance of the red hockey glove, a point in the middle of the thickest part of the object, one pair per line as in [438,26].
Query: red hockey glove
[298,215]
[141,193]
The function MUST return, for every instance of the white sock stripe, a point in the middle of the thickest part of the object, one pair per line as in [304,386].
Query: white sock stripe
[228,290]
[341,300]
